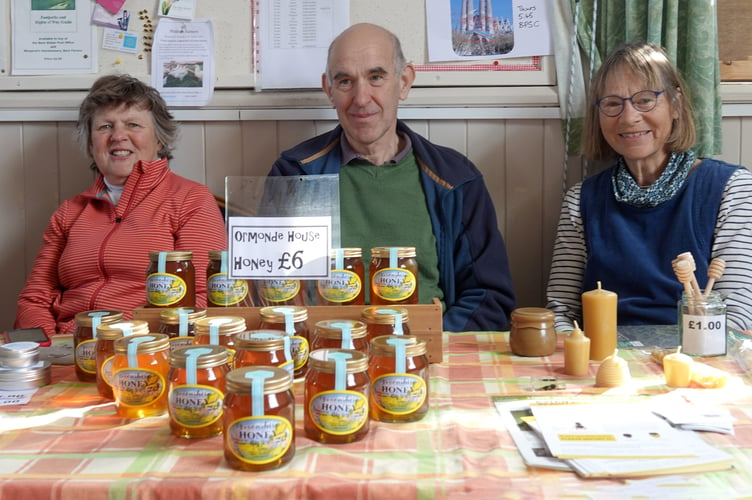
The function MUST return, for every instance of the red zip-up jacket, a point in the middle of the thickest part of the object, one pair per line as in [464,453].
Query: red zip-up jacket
[94,255]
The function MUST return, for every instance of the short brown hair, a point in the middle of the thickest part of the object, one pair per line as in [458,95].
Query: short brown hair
[114,90]
[650,63]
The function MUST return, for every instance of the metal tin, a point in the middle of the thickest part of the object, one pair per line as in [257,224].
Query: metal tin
[30,377]
[19,354]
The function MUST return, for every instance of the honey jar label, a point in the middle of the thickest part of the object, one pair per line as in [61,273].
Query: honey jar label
[339,412]
[394,284]
[299,349]
[278,290]
[164,289]
[259,440]
[195,405]
[138,387]
[86,356]
[107,370]
[399,393]
[223,291]
[342,286]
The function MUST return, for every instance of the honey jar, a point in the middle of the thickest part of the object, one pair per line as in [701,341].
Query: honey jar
[219,330]
[221,290]
[532,332]
[139,375]
[393,275]
[171,280]
[382,320]
[293,320]
[280,292]
[196,382]
[180,324]
[104,348]
[264,347]
[341,334]
[259,418]
[345,283]
[335,401]
[84,341]
[399,378]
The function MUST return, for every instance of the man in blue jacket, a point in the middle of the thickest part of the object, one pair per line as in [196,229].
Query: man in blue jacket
[399,189]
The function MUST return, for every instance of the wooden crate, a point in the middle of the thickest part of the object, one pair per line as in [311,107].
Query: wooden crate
[424,320]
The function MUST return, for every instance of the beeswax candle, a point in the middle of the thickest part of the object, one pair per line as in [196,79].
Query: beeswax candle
[576,353]
[599,317]
[677,368]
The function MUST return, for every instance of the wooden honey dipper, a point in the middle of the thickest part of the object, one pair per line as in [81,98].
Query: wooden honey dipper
[715,271]
[687,272]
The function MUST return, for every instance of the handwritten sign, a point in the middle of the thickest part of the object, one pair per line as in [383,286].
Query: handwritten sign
[279,247]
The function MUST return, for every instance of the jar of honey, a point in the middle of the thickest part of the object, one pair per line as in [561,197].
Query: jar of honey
[180,324]
[264,347]
[139,375]
[399,378]
[335,406]
[219,330]
[221,290]
[345,283]
[382,320]
[196,382]
[259,418]
[341,334]
[393,275]
[104,347]
[532,332]
[280,292]
[171,280]
[293,320]
[84,341]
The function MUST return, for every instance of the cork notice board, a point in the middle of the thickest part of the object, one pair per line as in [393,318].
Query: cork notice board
[734,42]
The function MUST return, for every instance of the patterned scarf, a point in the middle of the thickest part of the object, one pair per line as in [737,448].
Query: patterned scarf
[671,180]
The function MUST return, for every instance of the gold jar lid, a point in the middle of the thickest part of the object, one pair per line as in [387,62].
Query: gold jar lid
[537,317]
[346,252]
[384,252]
[383,315]
[260,340]
[151,343]
[209,356]
[321,360]
[113,331]
[415,346]
[172,256]
[87,318]
[226,325]
[216,254]
[277,314]
[332,328]
[171,315]
[239,381]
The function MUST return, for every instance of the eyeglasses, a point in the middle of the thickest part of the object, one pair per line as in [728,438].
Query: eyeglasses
[642,101]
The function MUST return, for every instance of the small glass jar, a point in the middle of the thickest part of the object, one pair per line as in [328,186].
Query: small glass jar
[702,325]
[84,341]
[393,275]
[383,320]
[341,334]
[221,290]
[196,382]
[259,418]
[399,378]
[139,375]
[264,347]
[344,286]
[171,280]
[180,324]
[532,332]
[293,320]
[104,348]
[280,292]
[335,401]
[219,330]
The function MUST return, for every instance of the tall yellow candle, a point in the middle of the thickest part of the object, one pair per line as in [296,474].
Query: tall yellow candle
[599,318]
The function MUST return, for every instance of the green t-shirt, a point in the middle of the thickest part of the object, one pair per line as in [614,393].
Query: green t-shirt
[384,206]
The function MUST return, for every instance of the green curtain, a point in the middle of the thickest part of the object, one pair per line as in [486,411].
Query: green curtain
[687,31]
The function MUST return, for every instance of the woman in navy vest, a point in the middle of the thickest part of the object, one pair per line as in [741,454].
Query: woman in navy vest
[625,225]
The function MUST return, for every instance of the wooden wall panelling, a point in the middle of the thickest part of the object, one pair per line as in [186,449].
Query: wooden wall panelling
[13,200]
[731,144]
[223,154]
[260,146]
[744,136]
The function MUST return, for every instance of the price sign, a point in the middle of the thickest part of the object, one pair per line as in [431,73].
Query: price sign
[279,247]
[703,335]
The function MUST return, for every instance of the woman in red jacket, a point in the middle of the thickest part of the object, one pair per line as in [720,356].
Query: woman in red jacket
[95,250]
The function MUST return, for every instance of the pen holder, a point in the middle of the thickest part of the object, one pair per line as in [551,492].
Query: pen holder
[702,324]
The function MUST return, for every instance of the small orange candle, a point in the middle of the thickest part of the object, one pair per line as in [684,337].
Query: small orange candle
[599,317]
[576,353]
[677,368]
